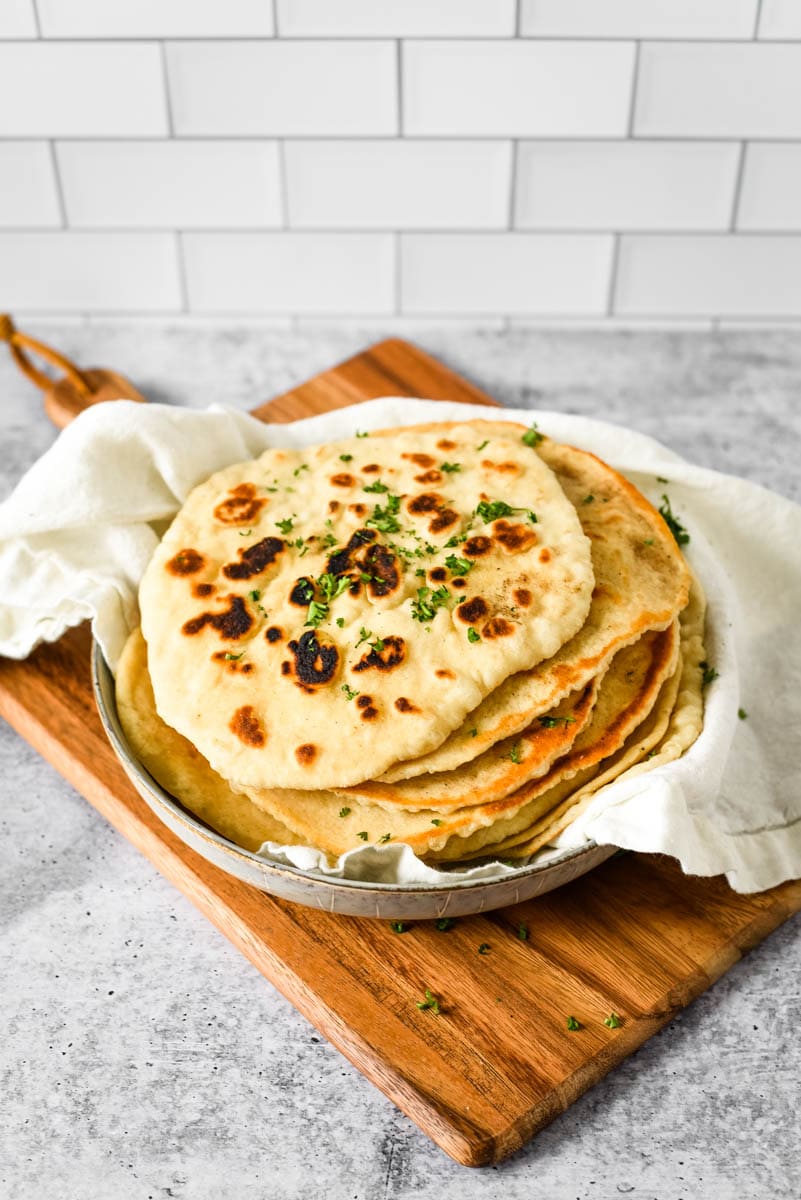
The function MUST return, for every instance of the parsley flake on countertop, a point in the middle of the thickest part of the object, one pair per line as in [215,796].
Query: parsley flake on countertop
[445,923]
[484,948]
[613,1021]
[673,523]
[742,714]
[522,932]
[399,927]
[573,1024]
[532,437]
[344,812]
[387,837]
[431,1001]
[709,674]
[473,635]
[363,835]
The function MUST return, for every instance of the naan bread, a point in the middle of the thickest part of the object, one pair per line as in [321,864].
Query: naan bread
[314,616]
[641,583]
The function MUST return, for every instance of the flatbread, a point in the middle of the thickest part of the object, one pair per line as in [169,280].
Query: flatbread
[494,774]
[179,767]
[257,550]
[641,583]
[669,730]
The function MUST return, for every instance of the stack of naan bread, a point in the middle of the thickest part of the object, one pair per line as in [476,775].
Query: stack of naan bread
[449,635]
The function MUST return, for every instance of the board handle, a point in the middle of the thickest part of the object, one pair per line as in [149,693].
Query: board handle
[68,395]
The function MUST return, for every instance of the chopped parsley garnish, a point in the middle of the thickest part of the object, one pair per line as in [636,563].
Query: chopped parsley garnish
[425,606]
[532,516]
[386,838]
[742,714]
[436,822]
[588,499]
[286,525]
[375,486]
[473,635]
[552,722]
[377,645]
[573,1024]
[318,611]
[233,657]
[350,694]
[245,532]
[648,542]
[532,437]
[483,444]
[430,1001]
[474,733]
[455,540]
[364,636]
[385,519]
[661,479]
[421,571]
[341,622]
[458,566]
[445,923]
[514,753]
[450,468]
[613,1021]
[329,540]
[254,595]
[344,812]
[673,523]
[484,948]
[709,674]
[522,932]
[361,434]
[363,835]
[491,510]
[346,458]
[333,585]
[399,927]
[302,467]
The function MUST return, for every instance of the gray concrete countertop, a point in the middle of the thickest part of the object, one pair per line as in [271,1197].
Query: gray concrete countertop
[143,1057]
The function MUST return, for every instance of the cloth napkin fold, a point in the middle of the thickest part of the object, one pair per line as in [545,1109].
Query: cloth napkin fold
[79,529]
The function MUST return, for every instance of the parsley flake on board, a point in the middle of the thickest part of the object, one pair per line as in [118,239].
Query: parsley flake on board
[286,525]
[344,812]
[709,674]
[673,523]
[573,1024]
[613,1021]
[431,1001]
[514,753]
[350,694]
[386,838]
[458,566]
[375,486]
[473,635]
[484,948]
[522,932]
[399,927]
[532,437]
[450,468]
[363,835]
[742,714]
[445,923]
[424,608]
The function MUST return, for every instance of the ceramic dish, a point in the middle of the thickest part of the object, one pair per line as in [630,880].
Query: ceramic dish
[349,897]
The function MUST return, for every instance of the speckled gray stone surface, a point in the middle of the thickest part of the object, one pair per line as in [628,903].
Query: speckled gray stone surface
[142,1056]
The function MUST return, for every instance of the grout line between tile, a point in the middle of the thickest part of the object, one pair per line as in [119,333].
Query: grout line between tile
[399,84]
[62,206]
[635,79]
[36,19]
[181,263]
[513,165]
[283,184]
[166,81]
[397,284]
[757,20]
[738,187]
[610,297]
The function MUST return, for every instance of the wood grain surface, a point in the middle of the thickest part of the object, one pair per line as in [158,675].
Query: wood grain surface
[497,1063]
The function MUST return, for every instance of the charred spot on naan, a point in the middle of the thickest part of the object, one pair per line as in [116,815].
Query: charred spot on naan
[405,705]
[523,597]
[460,582]
[306,754]
[256,559]
[341,561]
[390,656]
[247,727]
[242,507]
[302,592]
[382,565]
[477,547]
[343,480]
[371,469]
[274,634]
[444,519]
[424,503]
[438,574]
[333,506]
[497,627]
[368,710]
[421,460]
[514,538]
[473,610]
[202,589]
[231,624]
[233,663]
[359,509]
[315,662]
[186,562]
[509,469]
[545,555]
[432,476]
[446,444]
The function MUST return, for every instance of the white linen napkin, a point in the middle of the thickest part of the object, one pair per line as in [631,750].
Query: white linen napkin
[78,531]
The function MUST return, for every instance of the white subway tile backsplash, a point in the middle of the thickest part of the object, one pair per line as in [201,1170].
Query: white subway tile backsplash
[398,184]
[780,19]
[290,272]
[706,275]
[770,197]
[28,195]
[509,273]
[283,88]
[17,19]
[396,18]
[625,185]
[638,18]
[718,90]
[75,272]
[171,184]
[517,89]
[155,18]
[81,89]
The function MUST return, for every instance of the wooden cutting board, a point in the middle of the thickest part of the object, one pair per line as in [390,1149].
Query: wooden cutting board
[634,937]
